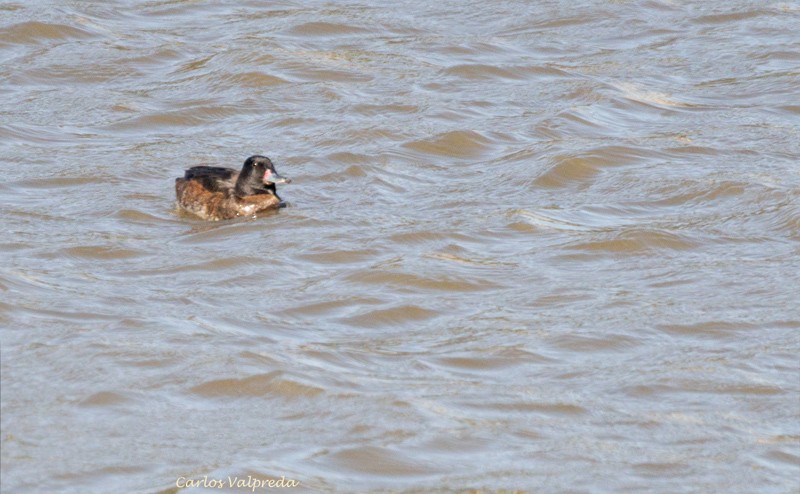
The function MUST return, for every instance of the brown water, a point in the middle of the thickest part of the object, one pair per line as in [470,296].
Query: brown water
[547,246]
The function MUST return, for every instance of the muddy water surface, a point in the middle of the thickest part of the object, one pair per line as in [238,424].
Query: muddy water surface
[549,246]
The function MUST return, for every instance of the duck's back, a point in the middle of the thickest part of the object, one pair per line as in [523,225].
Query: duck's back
[213,178]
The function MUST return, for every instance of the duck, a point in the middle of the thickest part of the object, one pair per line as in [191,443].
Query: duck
[216,193]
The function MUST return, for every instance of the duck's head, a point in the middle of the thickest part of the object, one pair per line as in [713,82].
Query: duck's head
[258,175]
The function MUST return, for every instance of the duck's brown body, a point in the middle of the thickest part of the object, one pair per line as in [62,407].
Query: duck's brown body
[211,205]
[215,193]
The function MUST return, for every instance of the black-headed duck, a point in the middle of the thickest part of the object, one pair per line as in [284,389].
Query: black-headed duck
[216,193]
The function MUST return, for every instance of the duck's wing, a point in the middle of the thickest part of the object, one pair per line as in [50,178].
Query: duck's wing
[214,178]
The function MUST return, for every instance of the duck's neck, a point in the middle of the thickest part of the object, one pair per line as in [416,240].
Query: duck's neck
[246,188]
[246,185]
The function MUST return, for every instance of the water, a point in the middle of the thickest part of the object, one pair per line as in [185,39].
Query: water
[538,246]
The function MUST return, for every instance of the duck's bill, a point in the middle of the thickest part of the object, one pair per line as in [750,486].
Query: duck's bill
[275,178]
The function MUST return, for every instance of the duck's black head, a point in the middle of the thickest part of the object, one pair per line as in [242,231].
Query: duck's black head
[258,176]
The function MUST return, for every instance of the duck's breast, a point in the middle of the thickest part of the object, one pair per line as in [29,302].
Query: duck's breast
[260,202]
